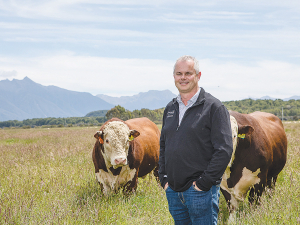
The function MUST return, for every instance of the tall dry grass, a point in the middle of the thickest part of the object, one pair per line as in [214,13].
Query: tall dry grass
[47,177]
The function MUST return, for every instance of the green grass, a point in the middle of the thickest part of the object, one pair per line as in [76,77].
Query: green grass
[47,177]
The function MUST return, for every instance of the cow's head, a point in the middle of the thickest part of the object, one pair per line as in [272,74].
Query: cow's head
[241,136]
[244,135]
[115,138]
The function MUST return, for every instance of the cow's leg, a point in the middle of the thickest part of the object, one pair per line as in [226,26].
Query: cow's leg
[227,197]
[131,185]
[255,193]
[257,190]
[101,186]
[271,182]
[155,173]
[232,204]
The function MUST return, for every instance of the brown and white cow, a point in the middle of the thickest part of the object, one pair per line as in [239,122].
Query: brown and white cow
[260,150]
[124,151]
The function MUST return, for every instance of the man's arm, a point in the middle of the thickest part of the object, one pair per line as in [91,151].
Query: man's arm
[221,138]
[161,171]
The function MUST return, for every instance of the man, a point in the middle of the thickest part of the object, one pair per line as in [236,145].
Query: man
[195,148]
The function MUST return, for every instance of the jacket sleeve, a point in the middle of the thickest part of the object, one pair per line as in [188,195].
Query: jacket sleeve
[161,171]
[221,138]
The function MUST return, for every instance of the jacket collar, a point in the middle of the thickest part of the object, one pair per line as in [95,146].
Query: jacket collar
[200,99]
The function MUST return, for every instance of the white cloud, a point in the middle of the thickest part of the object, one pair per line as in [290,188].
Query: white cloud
[203,16]
[233,81]
[88,10]
[250,48]
[95,74]
[8,74]
[119,77]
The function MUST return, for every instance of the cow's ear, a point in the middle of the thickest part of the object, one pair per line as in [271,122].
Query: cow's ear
[99,135]
[244,131]
[133,134]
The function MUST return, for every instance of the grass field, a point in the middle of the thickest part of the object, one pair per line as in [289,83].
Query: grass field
[47,177]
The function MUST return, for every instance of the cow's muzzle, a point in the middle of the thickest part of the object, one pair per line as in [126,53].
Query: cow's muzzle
[120,161]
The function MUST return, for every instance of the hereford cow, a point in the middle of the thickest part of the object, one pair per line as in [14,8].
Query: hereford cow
[260,149]
[124,151]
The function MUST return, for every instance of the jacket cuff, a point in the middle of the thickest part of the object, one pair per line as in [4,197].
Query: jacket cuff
[203,185]
[163,182]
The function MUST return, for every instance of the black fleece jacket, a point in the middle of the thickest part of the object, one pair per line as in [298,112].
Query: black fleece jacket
[197,150]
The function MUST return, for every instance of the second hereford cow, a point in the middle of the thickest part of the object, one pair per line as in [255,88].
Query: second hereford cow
[259,154]
[124,151]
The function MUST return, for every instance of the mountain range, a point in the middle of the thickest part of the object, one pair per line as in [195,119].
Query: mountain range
[295,97]
[148,100]
[25,99]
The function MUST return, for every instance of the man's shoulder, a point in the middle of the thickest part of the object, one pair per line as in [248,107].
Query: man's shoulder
[212,100]
[215,105]
[171,103]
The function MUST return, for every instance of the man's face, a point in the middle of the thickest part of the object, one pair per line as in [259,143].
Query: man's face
[186,79]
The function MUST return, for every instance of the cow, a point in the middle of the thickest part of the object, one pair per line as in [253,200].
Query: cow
[124,151]
[259,154]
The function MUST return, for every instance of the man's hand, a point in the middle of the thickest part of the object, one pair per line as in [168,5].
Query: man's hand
[198,189]
[166,186]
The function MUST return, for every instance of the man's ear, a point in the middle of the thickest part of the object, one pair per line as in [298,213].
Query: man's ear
[99,136]
[199,75]
[133,134]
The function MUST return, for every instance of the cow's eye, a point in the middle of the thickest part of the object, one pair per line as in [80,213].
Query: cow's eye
[107,141]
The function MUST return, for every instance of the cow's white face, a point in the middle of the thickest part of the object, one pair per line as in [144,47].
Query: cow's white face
[234,130]
[115,137]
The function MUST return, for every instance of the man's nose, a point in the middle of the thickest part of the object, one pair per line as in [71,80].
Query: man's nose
[183,76]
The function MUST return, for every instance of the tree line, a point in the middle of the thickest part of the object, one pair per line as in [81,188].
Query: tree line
[54,122]
[123,114]
[286,110]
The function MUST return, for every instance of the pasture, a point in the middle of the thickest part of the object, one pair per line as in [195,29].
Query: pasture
[47,177]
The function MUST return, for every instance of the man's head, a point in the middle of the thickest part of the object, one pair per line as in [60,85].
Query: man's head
[186,58]
[186,75]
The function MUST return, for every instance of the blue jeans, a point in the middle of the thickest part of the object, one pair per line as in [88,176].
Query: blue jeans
[194,207]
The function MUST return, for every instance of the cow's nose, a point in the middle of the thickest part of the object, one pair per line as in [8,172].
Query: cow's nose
[120,161]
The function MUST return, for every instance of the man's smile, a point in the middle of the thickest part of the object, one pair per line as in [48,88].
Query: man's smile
[184,83]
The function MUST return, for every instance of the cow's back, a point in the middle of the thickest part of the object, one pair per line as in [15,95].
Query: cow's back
[146,146]
[275,137]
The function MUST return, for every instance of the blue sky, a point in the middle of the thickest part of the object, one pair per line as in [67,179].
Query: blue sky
[245,48]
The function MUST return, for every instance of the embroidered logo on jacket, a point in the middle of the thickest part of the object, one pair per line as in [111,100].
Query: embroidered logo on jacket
[170,114]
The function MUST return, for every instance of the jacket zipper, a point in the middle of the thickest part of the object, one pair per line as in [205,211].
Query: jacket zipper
[177,111]
[187,112]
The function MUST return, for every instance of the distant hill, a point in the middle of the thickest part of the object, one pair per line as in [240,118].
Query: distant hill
[293,97]
[25,99]
[267,98]
[97,113]
[148,100]
[270,98]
